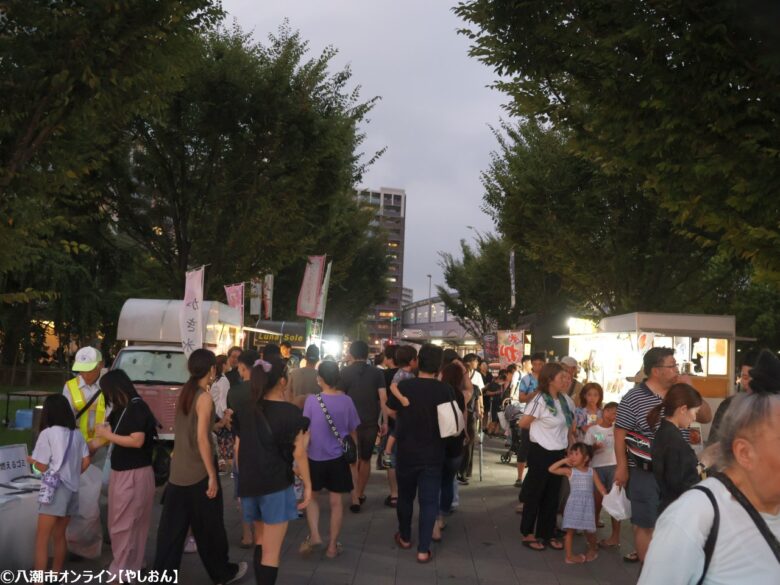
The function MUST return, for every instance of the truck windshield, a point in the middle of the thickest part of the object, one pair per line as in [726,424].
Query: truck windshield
[153,367]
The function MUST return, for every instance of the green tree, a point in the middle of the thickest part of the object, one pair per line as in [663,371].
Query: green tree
[614,249]
[249,169]
[479,295]
[72,73]
[681,95]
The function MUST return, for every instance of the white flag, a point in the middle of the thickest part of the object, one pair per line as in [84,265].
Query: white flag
[311,287]
[190,321]
[324,294]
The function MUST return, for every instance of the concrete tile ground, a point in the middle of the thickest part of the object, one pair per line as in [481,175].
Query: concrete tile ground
[481,544]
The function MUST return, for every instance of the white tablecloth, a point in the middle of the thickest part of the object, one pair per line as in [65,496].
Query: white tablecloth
[18,523]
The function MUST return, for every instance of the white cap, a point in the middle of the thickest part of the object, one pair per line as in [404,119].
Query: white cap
[569,361]
[87,359]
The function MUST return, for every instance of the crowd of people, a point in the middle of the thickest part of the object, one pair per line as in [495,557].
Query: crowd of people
[288,434]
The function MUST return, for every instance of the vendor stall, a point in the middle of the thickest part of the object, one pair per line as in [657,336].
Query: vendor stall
[610,353]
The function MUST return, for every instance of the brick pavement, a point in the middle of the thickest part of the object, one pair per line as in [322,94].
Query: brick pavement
[481,545]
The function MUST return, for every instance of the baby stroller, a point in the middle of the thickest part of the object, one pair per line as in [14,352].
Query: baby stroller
[512,412]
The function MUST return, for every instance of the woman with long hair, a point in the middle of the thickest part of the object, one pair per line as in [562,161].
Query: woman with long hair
[130,430]
[452,374]
[193,496]
[550,419]
[271,436]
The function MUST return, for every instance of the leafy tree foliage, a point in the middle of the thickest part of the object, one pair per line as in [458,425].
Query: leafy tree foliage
[681,95]
[481,284]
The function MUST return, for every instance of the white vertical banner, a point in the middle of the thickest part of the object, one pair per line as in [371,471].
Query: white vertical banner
[324,294]
[512,278]
[255,297]
[190,319]
[311,287]
[268,297]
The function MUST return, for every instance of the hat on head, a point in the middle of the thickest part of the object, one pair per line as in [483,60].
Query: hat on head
[87,359]
[569,362]
[765,375]
[312,353]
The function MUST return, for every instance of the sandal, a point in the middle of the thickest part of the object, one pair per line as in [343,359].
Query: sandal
[354,508]
[339,550]
[533,545]
[580,559]
[424,559]
[632,557]
[604,544]
[307,546]
[401,543]
[362,500]
[555,544]
[391,501]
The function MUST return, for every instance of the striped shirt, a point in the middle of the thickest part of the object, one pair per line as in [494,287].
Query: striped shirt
[633,410]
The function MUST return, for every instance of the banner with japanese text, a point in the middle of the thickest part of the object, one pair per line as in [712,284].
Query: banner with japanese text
[311,288]
[255,297]
[190,319]
[268,297]
[490,347]
[510,347]
[235,298]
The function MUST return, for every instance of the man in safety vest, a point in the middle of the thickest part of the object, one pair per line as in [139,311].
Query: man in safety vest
[80,390]
[85,533]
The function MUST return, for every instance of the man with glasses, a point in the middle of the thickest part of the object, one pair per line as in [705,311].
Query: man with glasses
[662,372]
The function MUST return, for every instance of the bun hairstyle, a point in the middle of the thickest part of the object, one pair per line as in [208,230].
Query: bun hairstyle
[678,395]
[329,372]
[264,378]
[199,365]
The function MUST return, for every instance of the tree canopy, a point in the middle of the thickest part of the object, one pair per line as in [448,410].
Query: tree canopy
[683,96]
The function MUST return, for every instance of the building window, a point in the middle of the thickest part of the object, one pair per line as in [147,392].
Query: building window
[409,316]
[392,279]
[392,244]
[422,314]
[387,314]
[437,312]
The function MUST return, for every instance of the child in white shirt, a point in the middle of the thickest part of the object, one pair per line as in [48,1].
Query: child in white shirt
[602,439]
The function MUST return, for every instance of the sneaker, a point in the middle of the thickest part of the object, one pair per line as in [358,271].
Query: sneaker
[243,567]
[387,460]
[190,546]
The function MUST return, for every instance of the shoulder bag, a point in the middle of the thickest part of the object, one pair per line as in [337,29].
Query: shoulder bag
[348,447]
[107,462]
[51,480]
[450,417]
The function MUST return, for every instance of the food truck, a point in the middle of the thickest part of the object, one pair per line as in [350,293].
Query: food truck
[153,357]
[611,351]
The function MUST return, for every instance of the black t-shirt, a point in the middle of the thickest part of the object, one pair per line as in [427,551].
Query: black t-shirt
[233,377]
[417,425]
[389,374]
[265,458]
[137,418]
[361,382]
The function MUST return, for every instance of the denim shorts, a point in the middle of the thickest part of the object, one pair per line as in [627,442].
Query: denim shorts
[645,497]
[274,508]
[606,475]
[64,503]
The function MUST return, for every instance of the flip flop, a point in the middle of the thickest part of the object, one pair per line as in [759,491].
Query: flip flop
[530,544]
[426,559]
[555,544]
[581,560]
[604,544]
[339,550]
[401,543]
[632,557]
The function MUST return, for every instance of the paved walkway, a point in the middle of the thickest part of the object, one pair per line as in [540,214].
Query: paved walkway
[481,545]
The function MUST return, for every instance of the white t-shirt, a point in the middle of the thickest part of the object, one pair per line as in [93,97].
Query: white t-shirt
[742,555]
[50,449]
[477,380]
[606,436]
[219,392]
[549,430]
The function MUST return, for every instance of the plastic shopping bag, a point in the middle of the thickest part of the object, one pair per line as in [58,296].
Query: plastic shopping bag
[616,503]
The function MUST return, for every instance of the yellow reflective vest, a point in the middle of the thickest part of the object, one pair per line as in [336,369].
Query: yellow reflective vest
[98,407]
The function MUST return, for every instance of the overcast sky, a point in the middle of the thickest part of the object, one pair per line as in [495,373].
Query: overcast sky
[434,115]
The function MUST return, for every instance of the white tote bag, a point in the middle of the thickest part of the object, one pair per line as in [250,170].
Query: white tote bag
[451,422]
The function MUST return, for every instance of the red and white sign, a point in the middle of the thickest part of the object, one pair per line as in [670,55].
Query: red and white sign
[510,347]
[311,288]
[190,320]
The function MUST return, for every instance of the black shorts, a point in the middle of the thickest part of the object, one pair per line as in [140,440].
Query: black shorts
[525,444]
[333,475]
[366,439]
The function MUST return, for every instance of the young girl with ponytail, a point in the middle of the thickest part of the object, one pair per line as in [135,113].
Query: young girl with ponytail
[674,461]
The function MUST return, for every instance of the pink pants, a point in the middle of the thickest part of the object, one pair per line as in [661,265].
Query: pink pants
[130,499]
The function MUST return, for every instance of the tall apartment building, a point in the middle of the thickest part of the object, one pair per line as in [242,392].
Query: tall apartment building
[389,206]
